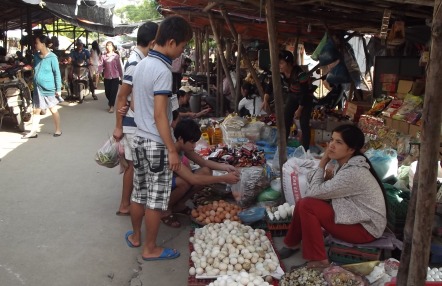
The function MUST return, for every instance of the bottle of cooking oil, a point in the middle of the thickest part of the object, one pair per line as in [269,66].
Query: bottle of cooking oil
[210,131]
[205,134]
[217,135]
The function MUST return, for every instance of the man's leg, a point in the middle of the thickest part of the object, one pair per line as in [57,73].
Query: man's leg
[128,177]
[184,191]
[92,86]
[158,194]
[305,127]
[289,112]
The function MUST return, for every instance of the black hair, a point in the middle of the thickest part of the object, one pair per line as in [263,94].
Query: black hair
[287,56]
[44,40]
[250,88]
[355,139]
[96,47]
[174,28]
[188,130]
[180,93]
[146,33]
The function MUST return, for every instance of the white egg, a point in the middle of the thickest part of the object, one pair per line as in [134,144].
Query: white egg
[430,279]
[192,271]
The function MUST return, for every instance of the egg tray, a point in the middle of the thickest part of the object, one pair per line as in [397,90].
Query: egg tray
[279,221]
[347,255]
[192,281]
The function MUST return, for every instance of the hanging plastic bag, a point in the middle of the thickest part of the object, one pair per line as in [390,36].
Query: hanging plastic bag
[253,181]
[319,48]
[384,162]
[108,155]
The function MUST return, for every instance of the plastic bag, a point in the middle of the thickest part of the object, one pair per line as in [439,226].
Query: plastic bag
[108,155]
[384,162]
[336,276]
[253,181]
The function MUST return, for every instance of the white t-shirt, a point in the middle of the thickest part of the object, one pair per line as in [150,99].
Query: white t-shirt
[254,109]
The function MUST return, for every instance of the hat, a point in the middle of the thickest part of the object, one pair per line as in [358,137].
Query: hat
[287,56]
[186,89]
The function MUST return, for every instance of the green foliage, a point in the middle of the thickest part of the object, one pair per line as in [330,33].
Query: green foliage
[147,10]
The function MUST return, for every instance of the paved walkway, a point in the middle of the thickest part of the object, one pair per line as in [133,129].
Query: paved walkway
[57,210]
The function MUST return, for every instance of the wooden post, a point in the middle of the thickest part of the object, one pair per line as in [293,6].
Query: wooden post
[428,158]
[221,56]
[404,267]
[277,90]
[219,84]
[197,51]
[206,30]
[238,71]
[244,54]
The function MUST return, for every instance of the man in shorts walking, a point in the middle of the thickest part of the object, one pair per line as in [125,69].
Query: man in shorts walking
[125,126]
[155,157]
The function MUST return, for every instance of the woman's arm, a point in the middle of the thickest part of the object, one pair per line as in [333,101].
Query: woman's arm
[57,75]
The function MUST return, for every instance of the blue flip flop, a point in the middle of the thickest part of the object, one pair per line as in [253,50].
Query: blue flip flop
[168,253]
[130,244]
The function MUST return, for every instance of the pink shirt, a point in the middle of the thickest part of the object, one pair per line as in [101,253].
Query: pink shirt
[112,66]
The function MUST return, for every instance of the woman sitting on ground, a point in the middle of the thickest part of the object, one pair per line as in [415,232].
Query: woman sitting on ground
[251,103]
[350,206]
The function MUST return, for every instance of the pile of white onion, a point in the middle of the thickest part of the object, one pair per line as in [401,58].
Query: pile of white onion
[243,278]
[281,212]
[230,247]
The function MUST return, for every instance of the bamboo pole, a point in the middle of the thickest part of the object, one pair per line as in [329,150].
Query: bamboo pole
[277,90]
[245,56]
[221,56]
[428,159]
[207,59]
[238,72]
[197,51]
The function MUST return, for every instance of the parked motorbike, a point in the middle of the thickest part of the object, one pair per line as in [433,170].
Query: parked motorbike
[15,96]
[80,82]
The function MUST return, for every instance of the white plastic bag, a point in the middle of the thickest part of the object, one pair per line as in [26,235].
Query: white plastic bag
[108,155]
[294,174]
[253,181]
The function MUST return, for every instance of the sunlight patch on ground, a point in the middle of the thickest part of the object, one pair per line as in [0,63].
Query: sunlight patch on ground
[10,140]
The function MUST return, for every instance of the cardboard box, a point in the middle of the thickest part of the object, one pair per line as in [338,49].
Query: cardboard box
[389,77]
[404,86]
[418,87]
[326,136]
[354,110]
[413,130]
[388,122]
[389,87]
[318,135]
[403,126]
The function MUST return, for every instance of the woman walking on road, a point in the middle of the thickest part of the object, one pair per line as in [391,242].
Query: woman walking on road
[95,63]
[47,85]
[113,73]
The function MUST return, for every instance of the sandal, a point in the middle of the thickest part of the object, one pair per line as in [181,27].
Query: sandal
[286,252]
[186,211]
[171,221]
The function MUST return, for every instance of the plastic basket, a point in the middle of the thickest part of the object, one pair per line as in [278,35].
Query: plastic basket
[192,281]
[347,255]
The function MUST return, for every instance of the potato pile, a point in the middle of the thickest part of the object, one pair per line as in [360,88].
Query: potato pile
[216,212]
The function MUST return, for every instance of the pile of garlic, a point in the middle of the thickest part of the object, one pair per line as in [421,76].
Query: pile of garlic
[282,212]
[228,248]
[243,278]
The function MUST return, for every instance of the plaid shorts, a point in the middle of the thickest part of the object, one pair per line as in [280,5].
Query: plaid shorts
[152,176]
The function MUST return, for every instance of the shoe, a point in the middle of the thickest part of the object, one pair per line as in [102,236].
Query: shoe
[168,253]
[130,244]
[286,252]
[57,134]
[29,135]
[94,97]
[186,211]
[111,109]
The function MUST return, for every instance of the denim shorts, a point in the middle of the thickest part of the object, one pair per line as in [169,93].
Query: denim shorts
[152,176]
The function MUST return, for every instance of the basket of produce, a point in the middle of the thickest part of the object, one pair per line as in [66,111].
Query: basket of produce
[215,212]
